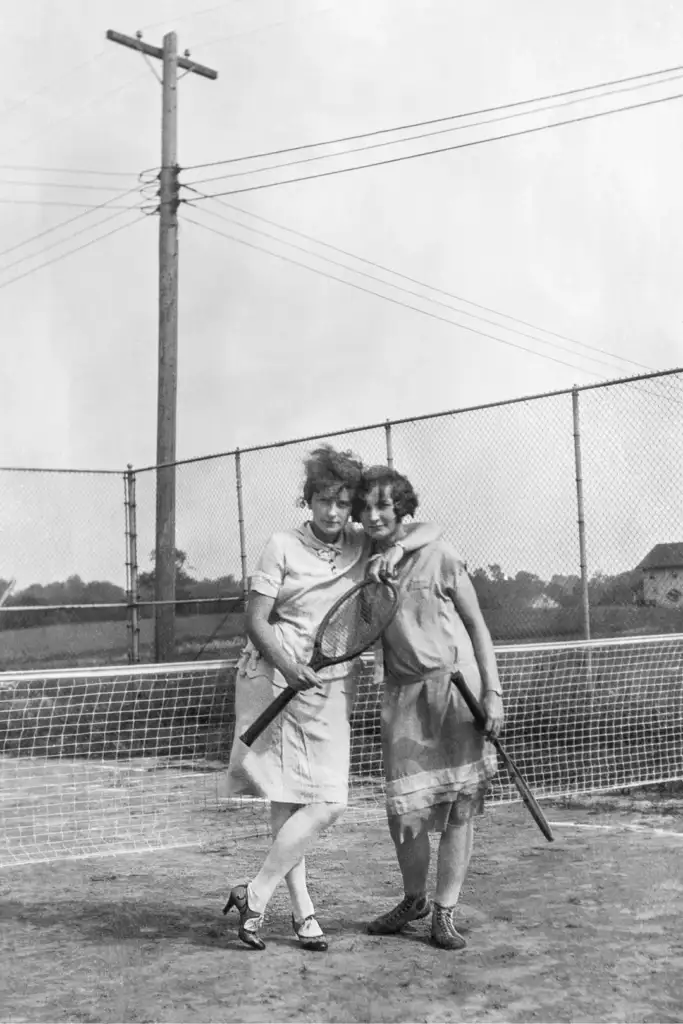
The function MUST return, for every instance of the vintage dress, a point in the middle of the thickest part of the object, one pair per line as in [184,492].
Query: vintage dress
[304,753]
[437,764]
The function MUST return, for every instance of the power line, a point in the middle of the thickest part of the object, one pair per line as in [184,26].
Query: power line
[71,252]
[49,86]
[423,284]
[59,184]
[441,131]
[59,202]
[420,284]
[213,41]
[416,309]
[67,170]
[55,122]
[187,17]
[61,241]
[436,120]
[446,149]
[418,295]
[107,204]
[407,291]
[388,298]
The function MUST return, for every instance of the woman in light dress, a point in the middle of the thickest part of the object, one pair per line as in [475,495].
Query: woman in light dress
[437,764]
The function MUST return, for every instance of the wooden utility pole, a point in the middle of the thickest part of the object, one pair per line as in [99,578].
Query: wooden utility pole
[165,567]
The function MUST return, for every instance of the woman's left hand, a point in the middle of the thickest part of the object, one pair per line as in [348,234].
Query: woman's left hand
[384,565]
[493,709]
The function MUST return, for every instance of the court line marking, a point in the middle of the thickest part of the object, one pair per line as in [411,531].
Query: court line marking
[616,828]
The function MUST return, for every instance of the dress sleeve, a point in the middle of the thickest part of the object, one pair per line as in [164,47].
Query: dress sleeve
[269,574]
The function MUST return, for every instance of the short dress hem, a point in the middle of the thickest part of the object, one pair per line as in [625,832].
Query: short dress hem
[438,766]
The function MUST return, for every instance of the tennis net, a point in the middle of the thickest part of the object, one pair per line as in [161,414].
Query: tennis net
[98,761]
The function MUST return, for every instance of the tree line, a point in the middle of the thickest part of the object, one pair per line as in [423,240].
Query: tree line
[496,590]
[75,591]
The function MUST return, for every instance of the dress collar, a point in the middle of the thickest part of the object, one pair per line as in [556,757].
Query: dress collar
[307,536]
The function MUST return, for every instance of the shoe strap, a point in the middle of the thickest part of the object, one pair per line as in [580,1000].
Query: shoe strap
[308,928]
[251,921]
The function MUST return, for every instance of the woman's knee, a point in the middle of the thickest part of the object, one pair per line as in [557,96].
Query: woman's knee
[329,813]
[280,813]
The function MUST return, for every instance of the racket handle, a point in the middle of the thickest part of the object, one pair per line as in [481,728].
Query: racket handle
[267,716]
[472,703]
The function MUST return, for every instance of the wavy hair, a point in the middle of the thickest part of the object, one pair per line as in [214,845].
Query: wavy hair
[403,495]
[325,468]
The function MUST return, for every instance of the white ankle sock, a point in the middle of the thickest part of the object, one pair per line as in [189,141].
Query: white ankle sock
[255,903]
[310,929]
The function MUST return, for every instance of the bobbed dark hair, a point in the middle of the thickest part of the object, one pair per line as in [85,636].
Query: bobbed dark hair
[402,492]
[326,467]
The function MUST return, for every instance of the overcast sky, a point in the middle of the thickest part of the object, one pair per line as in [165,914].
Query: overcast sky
[576,229]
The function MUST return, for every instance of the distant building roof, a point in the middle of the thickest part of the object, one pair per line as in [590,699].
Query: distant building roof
[544,601]
[664,556]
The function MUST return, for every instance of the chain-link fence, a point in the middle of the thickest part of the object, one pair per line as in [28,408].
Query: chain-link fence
[62,568]
[565,507]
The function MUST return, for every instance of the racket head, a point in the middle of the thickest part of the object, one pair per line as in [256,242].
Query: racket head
[354,622]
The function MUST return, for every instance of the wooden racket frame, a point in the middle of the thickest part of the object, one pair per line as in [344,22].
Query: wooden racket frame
[520,783]
[319,660]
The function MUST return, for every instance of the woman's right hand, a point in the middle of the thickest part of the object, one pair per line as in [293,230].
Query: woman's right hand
[301,677]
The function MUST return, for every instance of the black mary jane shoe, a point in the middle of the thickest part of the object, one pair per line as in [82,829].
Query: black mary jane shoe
[314,943]
[239,899]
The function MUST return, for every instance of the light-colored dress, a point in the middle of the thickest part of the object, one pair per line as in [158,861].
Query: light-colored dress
[437,764]
[303,755]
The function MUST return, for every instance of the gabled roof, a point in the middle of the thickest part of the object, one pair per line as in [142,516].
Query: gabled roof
[664,556]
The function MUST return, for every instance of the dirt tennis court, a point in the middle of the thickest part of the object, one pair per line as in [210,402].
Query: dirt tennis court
[585,929]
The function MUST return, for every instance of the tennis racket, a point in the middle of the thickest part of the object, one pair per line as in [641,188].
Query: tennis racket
[522,788]
[351,626]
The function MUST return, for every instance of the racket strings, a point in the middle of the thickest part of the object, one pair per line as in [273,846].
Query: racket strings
[358,621]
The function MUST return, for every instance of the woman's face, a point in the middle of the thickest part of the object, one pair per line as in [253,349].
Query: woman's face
[379,516]
[331,509]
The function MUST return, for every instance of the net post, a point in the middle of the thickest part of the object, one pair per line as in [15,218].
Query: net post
[132,566]
[240,522]
[389,442]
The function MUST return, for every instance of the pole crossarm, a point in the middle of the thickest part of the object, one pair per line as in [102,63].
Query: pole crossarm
[157,51]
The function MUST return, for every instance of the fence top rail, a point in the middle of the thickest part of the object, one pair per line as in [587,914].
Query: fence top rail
[233,598]
[64,472]
[415,419]
[350,430]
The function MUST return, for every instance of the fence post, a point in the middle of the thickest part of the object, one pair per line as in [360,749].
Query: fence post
[132,592]
[390,448]
[240,520]
[134,589]
[585,602]
[126,509]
